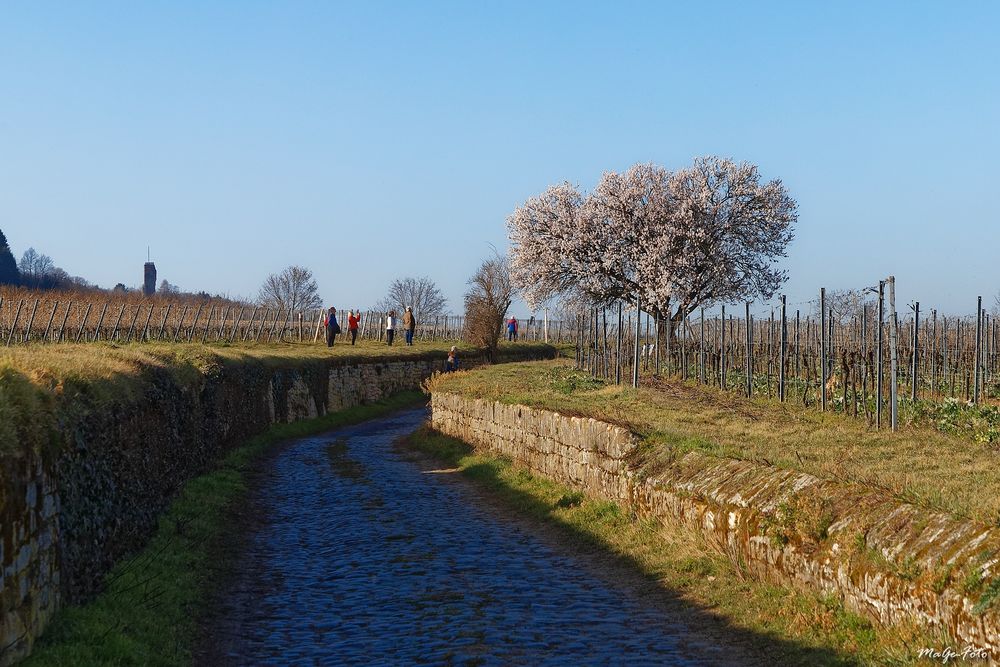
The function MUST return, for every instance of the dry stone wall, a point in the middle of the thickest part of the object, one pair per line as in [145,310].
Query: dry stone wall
[29,573]
[67,515]
[888,560]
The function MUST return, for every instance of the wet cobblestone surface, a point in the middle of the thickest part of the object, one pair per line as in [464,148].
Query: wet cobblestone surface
[358,555]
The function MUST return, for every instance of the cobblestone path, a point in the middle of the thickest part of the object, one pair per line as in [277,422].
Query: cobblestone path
[357,554]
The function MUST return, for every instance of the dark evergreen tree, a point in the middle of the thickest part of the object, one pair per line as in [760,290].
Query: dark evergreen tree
[9,275]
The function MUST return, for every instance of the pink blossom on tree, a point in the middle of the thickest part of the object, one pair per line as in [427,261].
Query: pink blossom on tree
[730,229]
[552,252]
[712,232]
[633,212]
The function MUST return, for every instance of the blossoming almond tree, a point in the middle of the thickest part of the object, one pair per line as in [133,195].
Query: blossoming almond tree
[552,253]
[596,248]
[633,213]
[728,232]
[712,232]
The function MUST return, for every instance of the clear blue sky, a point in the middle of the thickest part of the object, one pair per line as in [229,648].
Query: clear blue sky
[371,140]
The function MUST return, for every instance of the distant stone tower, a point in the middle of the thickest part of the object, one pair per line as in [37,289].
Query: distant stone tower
[149,279]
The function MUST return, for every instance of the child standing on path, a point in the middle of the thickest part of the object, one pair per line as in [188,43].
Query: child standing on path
[452,363]
[352,324]
[332,328]
[512,328]
[409,324]
[390,326]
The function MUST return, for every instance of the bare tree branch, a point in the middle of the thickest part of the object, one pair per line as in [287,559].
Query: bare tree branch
[421,294]
[489,297]
[293,288]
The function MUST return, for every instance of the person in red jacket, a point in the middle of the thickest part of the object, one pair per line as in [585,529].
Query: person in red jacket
[512,328]
[352,324]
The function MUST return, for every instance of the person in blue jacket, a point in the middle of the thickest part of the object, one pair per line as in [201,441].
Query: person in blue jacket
[512,328]
[332,328]
[452,363]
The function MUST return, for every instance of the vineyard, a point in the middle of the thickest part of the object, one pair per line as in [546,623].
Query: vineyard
[861,360]
[79,317]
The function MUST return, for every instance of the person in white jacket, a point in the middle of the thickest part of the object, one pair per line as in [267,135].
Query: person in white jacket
[390,326]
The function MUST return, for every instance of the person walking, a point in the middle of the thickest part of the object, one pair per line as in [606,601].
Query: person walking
[352,324]
[409,324]
[332,328]
[511,328]
[390,326]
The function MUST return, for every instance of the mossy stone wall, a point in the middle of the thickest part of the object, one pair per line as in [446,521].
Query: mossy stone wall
[71,509]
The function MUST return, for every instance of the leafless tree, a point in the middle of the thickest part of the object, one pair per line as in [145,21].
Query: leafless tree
[34,265]
[293,288]
[421,294]
[38,271]
[167,288]
[489,297]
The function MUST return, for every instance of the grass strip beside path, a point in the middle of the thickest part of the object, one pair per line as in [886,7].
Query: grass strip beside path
[789,626]
[935,460]
[148,612]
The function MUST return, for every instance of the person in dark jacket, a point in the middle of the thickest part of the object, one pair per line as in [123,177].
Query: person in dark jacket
[409,324]
[332,328]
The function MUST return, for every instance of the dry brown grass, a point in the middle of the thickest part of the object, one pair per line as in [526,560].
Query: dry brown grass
[918,464]
[80,298]
[34,378]
[109,361]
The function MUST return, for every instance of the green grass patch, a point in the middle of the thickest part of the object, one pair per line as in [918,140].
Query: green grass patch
[800,627]
[990,596]
[148,612]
